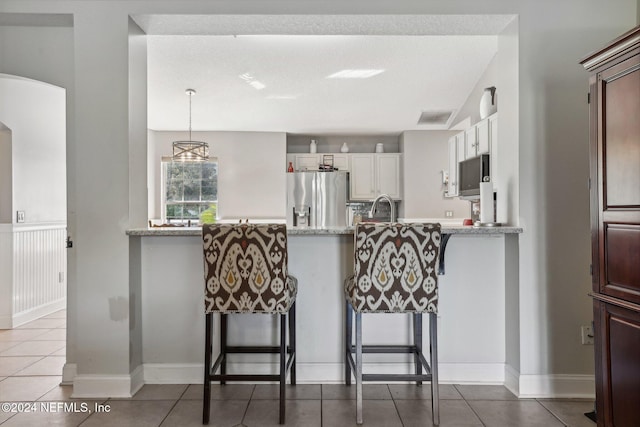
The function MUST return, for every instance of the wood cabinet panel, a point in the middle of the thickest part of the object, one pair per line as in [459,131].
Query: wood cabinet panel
[617,354]
[622,261]
[621,127]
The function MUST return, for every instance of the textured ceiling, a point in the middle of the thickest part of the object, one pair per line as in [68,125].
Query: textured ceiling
[425,25]
[434,66]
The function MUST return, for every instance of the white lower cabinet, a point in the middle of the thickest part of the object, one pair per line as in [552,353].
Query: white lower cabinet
[375,174]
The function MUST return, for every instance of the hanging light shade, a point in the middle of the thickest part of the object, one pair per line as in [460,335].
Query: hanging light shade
[190,150]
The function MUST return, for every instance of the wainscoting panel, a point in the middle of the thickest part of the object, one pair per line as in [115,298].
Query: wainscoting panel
[39,271]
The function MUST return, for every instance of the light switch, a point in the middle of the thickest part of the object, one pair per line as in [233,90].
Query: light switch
[20,216]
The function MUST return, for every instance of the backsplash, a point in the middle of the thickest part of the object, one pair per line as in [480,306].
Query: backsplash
[383,210]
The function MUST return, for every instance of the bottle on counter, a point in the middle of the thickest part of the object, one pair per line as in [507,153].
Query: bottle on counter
[290,168]
[313,147]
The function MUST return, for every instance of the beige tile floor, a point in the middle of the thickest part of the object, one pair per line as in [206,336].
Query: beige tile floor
[32,356]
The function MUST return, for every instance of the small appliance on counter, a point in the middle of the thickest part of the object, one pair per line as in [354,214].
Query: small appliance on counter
[317,199]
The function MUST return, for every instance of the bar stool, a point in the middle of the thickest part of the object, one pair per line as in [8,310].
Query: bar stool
[245,271]
[394,272]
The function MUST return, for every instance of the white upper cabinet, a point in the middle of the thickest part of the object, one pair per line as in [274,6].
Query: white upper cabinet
[388,175]
[452,187]
[482,138]
[362,177]
[460,147]
[482,143]
[471,142]
[340,161]
[477,139]
[493,148]
[305,162]
[375,174]
[312,162]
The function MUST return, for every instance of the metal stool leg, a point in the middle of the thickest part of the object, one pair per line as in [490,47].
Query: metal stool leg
[433,339]
[206,402]
[292,341]
[348,341]
[417,342]
[283,363]
[359,368]
[223,345]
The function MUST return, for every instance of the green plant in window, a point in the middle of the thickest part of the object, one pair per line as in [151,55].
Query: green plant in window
[208,216]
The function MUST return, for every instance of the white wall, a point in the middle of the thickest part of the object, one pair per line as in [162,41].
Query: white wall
[501,73]
[425,155]
[35,113]
[32,146]
[552,158]
[45,53]
[138,205]
[6,206]
[251,175]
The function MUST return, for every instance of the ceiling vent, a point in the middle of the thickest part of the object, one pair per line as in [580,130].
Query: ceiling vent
[435,117]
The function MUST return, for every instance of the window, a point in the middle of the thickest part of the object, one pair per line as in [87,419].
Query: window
[188,189]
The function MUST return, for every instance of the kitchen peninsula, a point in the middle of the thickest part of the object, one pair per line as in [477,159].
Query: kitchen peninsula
[475,301]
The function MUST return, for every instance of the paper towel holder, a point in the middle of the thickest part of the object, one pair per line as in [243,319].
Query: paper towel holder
[494,214]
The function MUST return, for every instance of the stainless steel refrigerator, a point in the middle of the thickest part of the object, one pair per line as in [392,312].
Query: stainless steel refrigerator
[317,199]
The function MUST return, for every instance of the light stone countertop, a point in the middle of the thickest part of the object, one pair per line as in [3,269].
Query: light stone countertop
[446,229]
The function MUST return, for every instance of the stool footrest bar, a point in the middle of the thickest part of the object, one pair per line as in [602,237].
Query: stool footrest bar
[387,349]
[396,377]
[252,349]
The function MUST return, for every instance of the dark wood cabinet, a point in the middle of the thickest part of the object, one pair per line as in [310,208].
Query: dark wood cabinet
[615,227]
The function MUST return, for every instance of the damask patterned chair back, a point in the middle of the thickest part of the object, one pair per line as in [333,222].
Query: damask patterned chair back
[395,268]
[245,269]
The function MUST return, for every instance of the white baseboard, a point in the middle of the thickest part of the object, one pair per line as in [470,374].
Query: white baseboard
[512,380]
[137,379]
[69,372]
[550,386]
[326,373]
[557,386]
[102,386]
[38,312]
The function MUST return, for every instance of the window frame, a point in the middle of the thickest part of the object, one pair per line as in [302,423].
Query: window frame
[163,191]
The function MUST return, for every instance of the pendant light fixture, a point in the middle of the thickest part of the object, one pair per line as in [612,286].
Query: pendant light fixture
[190,150]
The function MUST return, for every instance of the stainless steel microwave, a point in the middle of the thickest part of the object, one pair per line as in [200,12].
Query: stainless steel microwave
[471,173]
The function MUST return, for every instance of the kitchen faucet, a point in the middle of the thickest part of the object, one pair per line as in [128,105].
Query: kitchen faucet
[388,199]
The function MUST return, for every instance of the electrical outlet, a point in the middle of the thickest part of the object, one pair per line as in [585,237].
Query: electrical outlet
[61,277]
[448,214]
[20,216]
[587,335]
